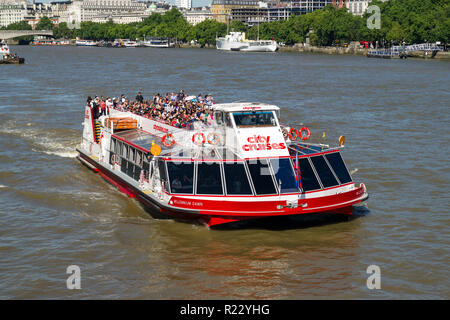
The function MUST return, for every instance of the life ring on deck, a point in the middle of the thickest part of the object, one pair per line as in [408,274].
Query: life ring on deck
[290,134]
[213,138]
[308,133]
[172,140]
[197,141]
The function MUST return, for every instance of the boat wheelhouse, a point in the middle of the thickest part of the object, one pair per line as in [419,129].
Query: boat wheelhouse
[244,166]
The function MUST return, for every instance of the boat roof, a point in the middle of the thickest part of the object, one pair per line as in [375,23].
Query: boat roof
[143,141]
[244,106]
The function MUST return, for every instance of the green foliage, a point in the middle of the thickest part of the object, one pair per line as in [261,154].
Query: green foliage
[206,31]
[44,24]
[21,25]
[414,21]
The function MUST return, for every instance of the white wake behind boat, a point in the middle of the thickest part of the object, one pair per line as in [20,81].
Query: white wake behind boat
[235,41]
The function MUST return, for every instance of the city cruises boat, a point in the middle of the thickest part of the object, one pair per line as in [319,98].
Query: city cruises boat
[86,43]
[235,41]
[158,43]
[244,166]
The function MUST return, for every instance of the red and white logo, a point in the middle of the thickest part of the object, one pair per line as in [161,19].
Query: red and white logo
[258,142]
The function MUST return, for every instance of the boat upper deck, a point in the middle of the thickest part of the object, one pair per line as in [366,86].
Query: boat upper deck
[143,141]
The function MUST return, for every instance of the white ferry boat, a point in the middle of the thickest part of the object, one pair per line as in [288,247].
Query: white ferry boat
[244,166]
[86,43]
[235,41]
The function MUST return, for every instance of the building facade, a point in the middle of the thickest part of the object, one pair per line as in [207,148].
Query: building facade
[92,8]
[184,4]
[12,12]
[222,9]
[196,16]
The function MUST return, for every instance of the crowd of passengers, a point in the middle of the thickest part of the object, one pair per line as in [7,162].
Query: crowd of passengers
[178,110]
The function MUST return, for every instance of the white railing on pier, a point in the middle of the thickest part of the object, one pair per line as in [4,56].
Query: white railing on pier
[396,51]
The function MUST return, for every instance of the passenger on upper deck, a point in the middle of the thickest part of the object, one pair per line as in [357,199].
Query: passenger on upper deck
[177,110]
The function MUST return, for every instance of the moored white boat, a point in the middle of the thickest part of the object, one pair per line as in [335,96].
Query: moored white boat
[158,43]
[235,41]
[85,43]
[130,44]
[244,166]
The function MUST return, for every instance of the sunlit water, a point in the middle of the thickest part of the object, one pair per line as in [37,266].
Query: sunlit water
[54,212]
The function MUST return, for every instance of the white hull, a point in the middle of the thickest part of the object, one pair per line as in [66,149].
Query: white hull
[81,43]
[157,45]
[231,44]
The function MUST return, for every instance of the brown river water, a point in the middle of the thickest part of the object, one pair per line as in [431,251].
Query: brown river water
[54,212]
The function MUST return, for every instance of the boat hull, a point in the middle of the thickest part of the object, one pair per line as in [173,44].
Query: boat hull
[245,46]
[216,212]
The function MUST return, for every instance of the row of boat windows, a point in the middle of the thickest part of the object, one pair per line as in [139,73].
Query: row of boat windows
[251,177]
[255,177]
[130,159]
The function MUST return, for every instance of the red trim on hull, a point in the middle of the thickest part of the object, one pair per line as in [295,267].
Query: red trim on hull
[217,212]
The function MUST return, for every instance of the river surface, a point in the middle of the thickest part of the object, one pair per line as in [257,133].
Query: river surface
[54,212]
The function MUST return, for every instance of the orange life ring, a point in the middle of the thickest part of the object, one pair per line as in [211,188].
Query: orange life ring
[197,142]
[168,135]
[213,138]
[308,133]
[290,134]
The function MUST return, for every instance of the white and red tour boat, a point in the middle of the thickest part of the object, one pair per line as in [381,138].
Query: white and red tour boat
[243,166]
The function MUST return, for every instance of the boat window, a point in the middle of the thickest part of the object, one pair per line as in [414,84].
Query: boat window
[123,166]
[137,173]
[163,175]
[219,117]
[146,167]
[307,177]
[338,165]
[261,176]
[130,169]
[209,178]
[132,154]
[181,176]
[125,151]
[254,119]
[118,150]
[113,145]
[228,122]
[284,174]
[324,172]
[139,158]
[236,178]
